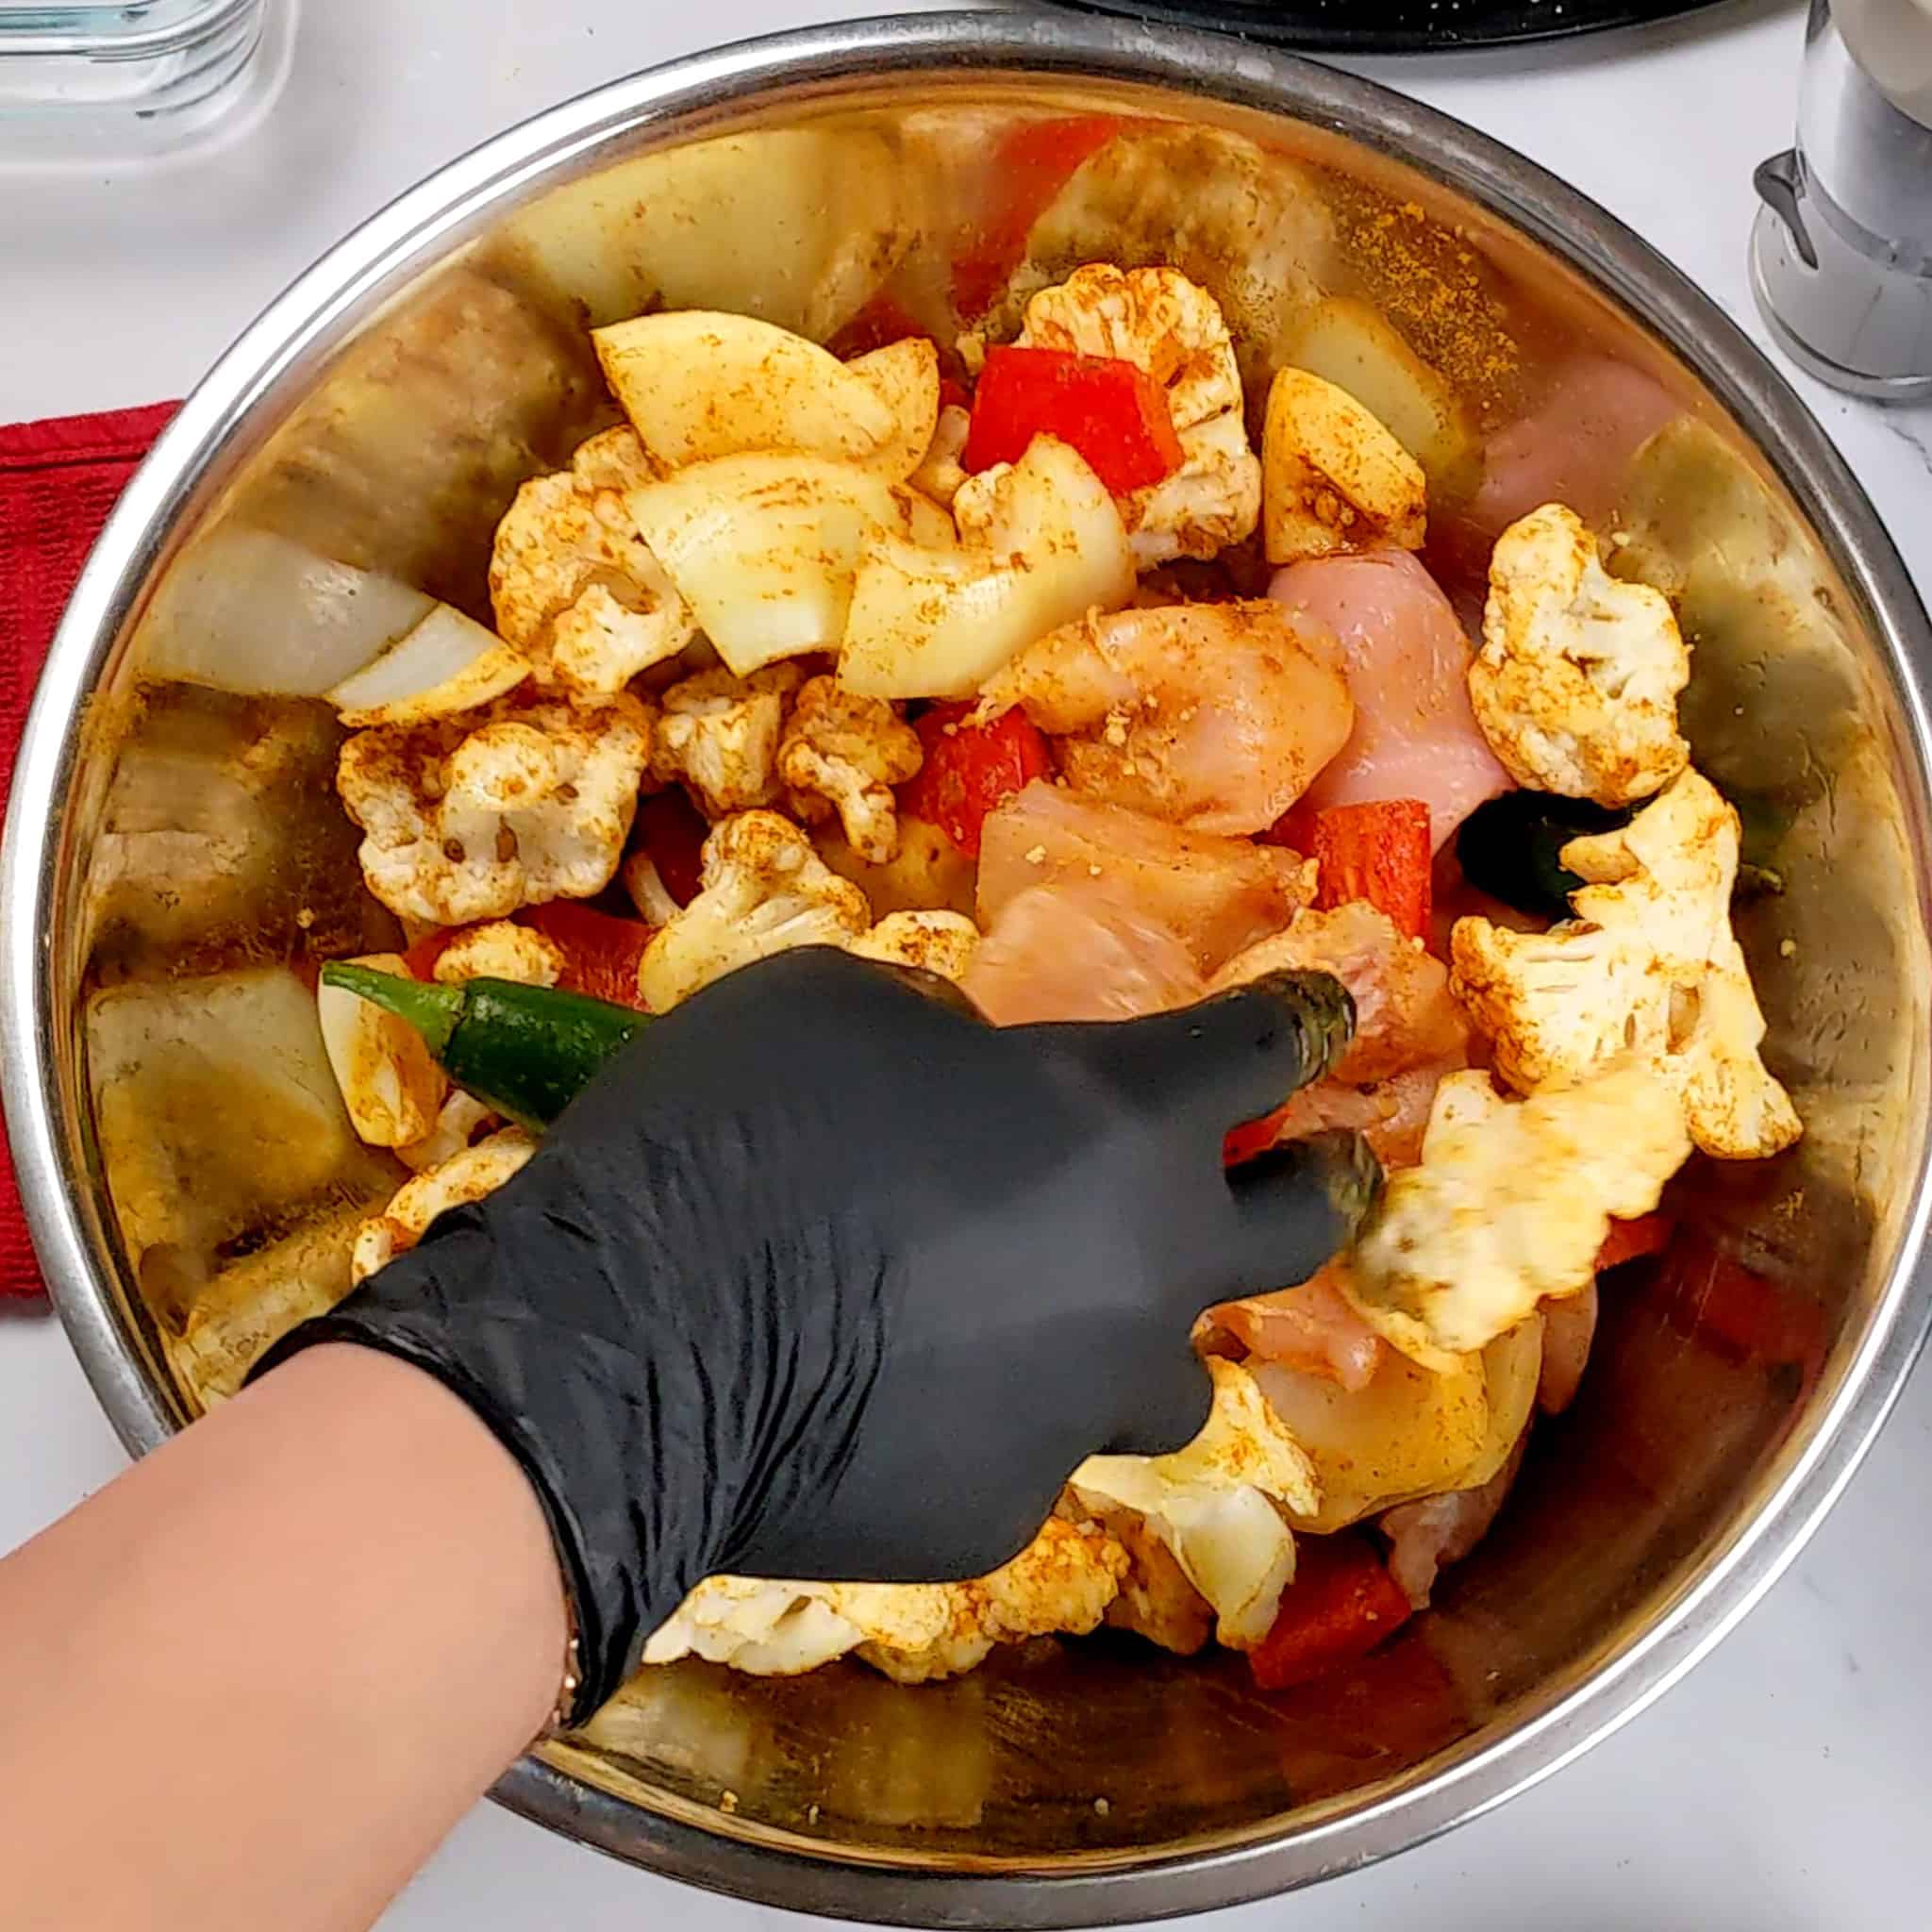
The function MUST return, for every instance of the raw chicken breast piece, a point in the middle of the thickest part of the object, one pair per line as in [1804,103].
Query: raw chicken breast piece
[1425,1537]
[1215,895]
[1215,717]
[1392,1115]
[1569,1328]
[1311,1328]
[1405,1013]
[1076,950]
[1407,660]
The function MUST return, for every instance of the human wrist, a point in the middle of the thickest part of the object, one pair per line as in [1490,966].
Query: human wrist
[459,1476]
[632,1522]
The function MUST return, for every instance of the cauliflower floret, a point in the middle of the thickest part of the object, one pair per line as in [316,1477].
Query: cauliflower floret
[941,473]
[939,942]
[390,1083]
[1061,1584]
[763,890]
[457,1124]
[1207,1516]
[1510,1203]
[1335,477]
[1576,686]
[574,585]
[845,753]
[1649,965]
[600,643]
[913,1632]
[1156,1599]
[462,1178]
[470,818]
[499,950]
[648,893]
[1154,318]
[1213,1503]
[720,733]
[1164,324]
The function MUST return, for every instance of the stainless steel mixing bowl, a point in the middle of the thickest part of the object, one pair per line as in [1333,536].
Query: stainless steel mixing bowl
[188,1193]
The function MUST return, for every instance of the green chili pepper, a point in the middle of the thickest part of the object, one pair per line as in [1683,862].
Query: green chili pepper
[527,1051]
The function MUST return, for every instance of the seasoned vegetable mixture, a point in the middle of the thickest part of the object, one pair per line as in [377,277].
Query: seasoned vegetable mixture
[1018,661]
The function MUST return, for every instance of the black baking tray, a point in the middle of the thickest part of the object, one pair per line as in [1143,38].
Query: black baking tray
[1399,26]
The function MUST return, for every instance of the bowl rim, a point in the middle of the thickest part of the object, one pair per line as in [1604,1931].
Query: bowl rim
[350,280]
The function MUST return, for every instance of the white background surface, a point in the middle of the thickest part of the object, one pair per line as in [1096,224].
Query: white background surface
[1786,1783]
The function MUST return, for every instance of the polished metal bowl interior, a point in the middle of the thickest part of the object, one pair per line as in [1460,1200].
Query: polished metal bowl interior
[382,413]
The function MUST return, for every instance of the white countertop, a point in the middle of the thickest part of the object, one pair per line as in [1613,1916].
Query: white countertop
[1784,1785]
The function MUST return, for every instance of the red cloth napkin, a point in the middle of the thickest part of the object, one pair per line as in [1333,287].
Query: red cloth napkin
[58,480]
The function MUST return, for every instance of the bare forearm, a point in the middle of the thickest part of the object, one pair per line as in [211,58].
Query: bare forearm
[257,1679]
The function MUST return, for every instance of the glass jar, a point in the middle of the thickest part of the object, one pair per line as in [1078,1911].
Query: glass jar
[141,77]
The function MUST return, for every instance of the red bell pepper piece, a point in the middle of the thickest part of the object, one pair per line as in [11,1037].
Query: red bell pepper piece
[1341,1605]
[600,951]
[421,958]
[1631,1241]
[972,769]
[1112,411]
[1030,164]
[672,829]
[1381,852]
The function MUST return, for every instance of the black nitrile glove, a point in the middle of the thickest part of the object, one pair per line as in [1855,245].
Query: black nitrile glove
[825,1278]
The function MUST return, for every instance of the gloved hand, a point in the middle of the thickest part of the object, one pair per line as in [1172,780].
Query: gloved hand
[825,1278]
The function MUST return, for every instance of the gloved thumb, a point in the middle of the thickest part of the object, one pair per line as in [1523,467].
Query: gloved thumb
[1296,1207]
[1227,1059]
